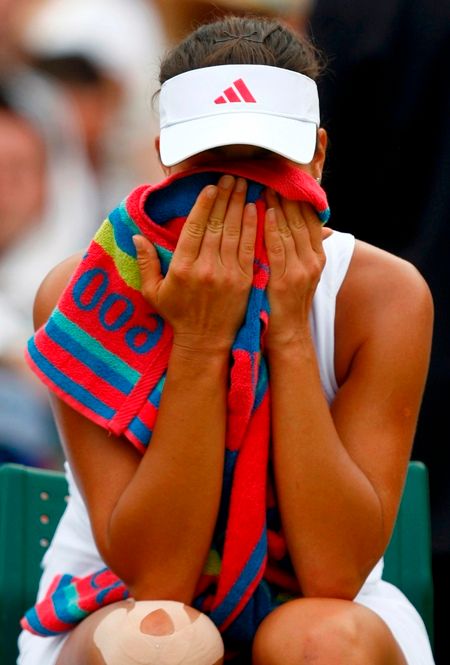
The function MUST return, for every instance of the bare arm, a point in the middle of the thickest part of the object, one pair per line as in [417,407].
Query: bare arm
[340,472]
[153,517]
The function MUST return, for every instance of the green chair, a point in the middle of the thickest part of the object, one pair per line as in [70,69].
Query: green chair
[32,501]
[31,504]
[407,561]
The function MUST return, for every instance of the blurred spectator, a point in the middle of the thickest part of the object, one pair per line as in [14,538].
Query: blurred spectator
[386,90]
[22,176]
[26,431]
[49,208]
[69,212]
[95,98]
[181,16]
[106,54]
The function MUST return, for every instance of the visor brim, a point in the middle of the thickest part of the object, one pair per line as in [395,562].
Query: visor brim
[289,137]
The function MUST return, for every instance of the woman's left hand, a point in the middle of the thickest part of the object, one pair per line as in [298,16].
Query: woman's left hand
[293,237]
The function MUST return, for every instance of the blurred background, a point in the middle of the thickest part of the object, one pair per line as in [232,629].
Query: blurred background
[77,129]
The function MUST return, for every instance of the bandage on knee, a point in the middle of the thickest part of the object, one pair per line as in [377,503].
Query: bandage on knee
[120,639]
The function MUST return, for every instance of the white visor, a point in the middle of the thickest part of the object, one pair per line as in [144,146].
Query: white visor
[258,105]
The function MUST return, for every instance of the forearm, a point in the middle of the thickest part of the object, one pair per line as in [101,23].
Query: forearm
[167,514]
[330,512]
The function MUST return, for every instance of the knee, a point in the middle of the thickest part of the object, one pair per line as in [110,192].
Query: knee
[158,633]
[307,631]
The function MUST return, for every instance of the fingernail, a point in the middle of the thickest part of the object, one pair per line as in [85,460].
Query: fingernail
[240,185]
[211,191]
[137,242]
[271,217]
[226,182]
[251,207]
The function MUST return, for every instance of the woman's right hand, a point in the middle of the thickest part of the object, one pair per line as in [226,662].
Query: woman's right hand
[205,292]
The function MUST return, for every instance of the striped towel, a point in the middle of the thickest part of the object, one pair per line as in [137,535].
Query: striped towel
[105,352]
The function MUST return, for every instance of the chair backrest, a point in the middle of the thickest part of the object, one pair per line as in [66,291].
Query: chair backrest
[407,561]
[33,500]
[31,504]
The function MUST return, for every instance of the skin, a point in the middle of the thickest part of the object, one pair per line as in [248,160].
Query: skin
[22,178]
[95,106]
[337,470]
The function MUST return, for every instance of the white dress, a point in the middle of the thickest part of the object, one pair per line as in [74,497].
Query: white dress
[73,549]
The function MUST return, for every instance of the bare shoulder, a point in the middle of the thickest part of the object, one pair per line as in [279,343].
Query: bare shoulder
[382,296]
[52,287]
[386,278]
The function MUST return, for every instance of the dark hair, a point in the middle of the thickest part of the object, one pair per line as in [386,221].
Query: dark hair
[5,104]
[73,68]
[243,40]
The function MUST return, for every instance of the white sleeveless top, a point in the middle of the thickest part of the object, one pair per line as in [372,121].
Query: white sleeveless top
[73,549]
[339,251]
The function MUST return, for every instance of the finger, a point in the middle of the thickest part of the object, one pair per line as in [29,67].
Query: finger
[246,252]
[273,201]
[233,223]
[314,225]
[283,227]
[149,266]
[298,226]
[191,236]
[274,244]
[214,228]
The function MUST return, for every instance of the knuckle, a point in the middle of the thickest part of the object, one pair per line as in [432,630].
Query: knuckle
[232,232]
[178,271]
[147,293]
[206,275]
[316,273]
[299,276]
[320,262]
[285,231]
[215,224]
[143,263]
[247,248]
[298,223]
[194,229]
[315,270]
[277,249]
[229,281]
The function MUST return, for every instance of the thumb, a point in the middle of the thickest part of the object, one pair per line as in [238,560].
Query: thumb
[149,266]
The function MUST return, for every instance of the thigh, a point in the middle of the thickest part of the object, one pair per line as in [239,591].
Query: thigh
[80,645]
[325,631]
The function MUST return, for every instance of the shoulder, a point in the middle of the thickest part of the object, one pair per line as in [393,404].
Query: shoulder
[382,297]
[52,287]
[384,279]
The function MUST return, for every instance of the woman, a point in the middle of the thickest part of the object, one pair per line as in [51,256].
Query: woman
[345,349]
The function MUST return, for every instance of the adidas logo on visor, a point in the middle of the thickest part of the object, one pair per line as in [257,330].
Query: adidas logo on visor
[238,92]
[260,105]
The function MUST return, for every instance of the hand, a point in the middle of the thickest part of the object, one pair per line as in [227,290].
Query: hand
[205,292]
[293,237]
